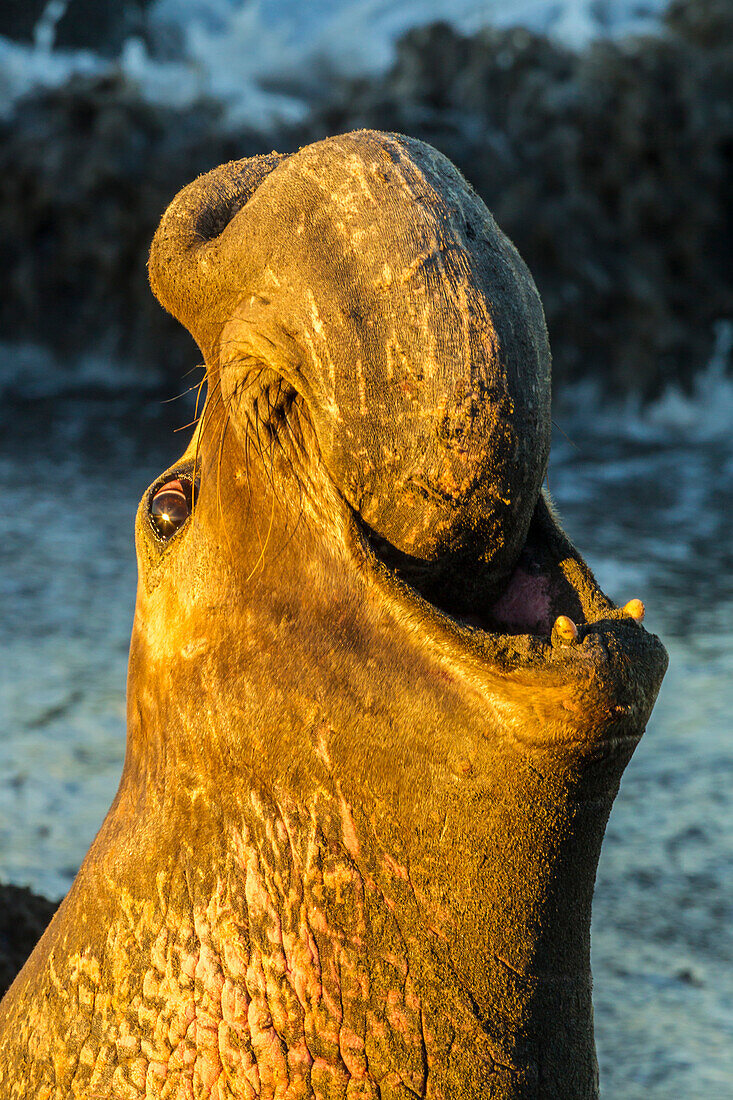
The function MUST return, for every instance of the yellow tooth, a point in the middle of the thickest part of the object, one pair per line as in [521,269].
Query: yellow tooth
[635,610]
[565,629]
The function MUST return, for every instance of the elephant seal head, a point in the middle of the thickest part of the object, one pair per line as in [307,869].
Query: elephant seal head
[378,708]
[373,285]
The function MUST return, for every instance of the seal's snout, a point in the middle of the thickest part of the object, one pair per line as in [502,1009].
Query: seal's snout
[185,268]
[365,271]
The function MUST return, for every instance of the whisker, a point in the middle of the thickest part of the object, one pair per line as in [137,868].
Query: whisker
[269,413]
[198,393]
[562,432]
[225,425]
[190,424]
[214,401]
[264,548]
[178,396]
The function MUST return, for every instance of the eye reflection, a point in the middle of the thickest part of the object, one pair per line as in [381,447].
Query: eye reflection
[171,507]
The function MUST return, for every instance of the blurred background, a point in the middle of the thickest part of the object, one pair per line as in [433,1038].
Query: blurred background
[600,134]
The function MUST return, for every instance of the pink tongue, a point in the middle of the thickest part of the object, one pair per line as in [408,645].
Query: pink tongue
[526,603]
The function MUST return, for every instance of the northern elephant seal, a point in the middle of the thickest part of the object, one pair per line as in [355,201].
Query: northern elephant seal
[378,707]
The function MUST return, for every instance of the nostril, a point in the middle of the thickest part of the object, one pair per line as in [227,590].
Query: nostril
[213,220]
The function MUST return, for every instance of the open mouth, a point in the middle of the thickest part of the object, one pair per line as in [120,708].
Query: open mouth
[547,647]
[550,596]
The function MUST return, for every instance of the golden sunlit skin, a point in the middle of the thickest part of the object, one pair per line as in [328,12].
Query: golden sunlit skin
[378,708]
[635,609]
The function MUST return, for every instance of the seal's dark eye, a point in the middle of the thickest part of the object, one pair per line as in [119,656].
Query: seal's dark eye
[171,507]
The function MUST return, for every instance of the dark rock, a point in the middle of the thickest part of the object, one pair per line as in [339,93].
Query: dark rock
[18,18]
[85,173]
[99,25]
[705,23]
[23,919]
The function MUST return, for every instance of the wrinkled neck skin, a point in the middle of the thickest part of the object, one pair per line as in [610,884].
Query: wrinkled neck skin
[354,845]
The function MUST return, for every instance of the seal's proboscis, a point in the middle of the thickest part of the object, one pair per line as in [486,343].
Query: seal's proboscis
[378,708]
